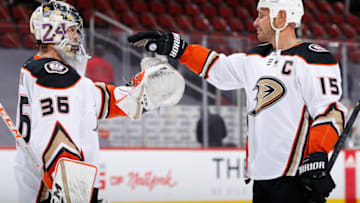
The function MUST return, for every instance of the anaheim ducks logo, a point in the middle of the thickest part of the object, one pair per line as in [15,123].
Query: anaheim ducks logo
[317,48]
[269,91]
[56,67]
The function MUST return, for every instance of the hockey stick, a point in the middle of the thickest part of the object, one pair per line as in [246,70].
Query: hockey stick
[21,142]
[340,144]
[341,141]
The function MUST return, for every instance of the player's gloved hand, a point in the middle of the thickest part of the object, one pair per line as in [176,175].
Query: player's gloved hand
[157,85]
[163,43]
[313,176]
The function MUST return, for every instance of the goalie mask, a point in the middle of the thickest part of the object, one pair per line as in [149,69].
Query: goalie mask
[60,24]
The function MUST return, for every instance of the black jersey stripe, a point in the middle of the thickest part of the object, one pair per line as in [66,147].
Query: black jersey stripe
[209,66]
[262,50]
[41,196]
[310,55]
[299,143]
[102,100]
[203,69]
[105,101]
[56,150]
[108,97]
[306,51]
[48,79]
[59,136]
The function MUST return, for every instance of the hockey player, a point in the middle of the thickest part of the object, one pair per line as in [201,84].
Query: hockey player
[58,107]
[292,89]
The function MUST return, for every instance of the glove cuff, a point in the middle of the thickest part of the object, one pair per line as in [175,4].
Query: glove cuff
[178,46]
[314,163]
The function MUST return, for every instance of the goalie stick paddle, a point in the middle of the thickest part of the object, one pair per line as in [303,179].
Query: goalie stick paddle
[341,141]
[21,142]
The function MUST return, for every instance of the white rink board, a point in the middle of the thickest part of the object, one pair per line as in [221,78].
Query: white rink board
[189,175]
[170,175]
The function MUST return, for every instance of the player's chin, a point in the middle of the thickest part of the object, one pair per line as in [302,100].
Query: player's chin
[261,38]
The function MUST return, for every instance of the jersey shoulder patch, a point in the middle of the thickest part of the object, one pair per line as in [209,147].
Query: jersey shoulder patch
[312,53]
[51,73]
[56,67]
[262,49]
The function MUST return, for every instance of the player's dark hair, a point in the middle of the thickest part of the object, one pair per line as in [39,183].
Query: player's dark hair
[41,46]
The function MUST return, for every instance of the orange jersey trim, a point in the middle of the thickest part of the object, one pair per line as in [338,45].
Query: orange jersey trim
[322,138]
[114,111]
[23,68]
[37,57]
[195,57]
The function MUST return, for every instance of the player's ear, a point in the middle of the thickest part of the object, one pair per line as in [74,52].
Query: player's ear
[280,19]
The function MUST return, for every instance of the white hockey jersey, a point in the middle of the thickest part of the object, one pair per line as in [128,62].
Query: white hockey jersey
[288,93]
[57,115]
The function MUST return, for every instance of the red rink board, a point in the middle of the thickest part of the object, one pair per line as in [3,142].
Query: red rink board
[350,176]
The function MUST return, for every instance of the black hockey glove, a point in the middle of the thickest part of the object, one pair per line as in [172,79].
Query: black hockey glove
[163,43]
[317,183]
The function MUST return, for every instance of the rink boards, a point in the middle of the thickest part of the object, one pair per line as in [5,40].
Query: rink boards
[183,175]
